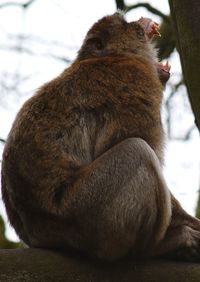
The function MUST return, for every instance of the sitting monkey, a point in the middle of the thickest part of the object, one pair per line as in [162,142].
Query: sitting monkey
[82,165]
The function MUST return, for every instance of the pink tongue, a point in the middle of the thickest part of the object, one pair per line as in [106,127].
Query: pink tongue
[150,27]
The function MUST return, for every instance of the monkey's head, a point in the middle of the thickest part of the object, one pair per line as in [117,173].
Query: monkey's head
[113,35]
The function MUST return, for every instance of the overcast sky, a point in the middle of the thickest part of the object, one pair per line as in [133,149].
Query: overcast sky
[67,22]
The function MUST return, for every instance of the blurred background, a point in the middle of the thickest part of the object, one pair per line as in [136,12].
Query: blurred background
[39,39]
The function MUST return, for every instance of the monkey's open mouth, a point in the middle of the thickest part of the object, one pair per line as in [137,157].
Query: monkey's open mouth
[151,28]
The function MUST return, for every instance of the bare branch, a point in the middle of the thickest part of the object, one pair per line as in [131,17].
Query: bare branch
[188,134]
[21,49]
[169,111]
[2,140]
[22,5]
[150,9]
[37,39]
[120,4]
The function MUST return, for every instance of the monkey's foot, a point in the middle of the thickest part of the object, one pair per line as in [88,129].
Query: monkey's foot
[186,254]
[150,27]
[186,244]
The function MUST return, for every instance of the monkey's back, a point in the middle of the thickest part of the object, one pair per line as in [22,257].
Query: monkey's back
[71,121]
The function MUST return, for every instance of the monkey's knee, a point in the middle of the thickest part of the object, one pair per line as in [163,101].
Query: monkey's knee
[140,148]
[139,153]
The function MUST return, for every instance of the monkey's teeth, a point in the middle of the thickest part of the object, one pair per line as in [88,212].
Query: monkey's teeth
[150,27]
[167,67]
[155,29]
[157,33]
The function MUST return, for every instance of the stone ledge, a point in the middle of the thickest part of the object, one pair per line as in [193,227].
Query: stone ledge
[34,265]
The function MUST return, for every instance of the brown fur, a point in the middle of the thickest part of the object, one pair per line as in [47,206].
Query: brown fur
[82,163]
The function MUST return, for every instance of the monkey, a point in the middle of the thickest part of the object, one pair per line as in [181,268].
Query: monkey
[82,164]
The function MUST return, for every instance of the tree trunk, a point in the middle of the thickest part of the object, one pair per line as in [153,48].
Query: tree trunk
[34,265]
[186,19]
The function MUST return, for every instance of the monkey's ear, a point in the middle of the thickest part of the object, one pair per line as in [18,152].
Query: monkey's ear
[95,43]
[93,46]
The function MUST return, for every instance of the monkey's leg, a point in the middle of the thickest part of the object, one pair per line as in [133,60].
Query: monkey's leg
[120,202]
[182,239]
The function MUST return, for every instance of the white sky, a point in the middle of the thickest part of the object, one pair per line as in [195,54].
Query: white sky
[67,22]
